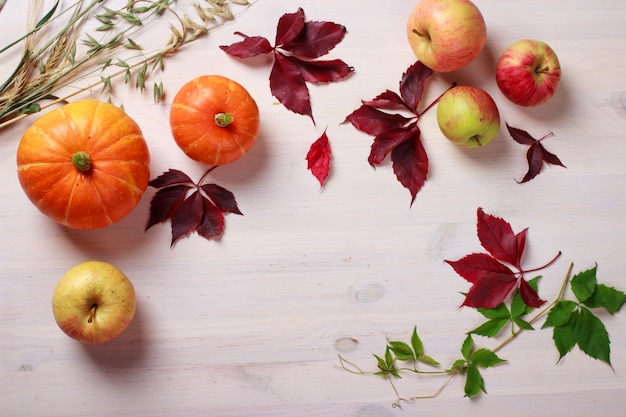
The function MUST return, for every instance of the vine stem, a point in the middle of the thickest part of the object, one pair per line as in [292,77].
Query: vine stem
[542,312]
[435,101]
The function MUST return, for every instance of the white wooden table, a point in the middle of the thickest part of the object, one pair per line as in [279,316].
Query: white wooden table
[252,324]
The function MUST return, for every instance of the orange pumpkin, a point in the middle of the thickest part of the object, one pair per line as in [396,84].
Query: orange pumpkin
[214,120]
[84,165]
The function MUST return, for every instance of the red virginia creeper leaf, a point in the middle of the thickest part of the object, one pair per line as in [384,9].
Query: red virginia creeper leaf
[186,217]
[478,266]
[536,154]
[249,47]
[388,140]
[521,245]
[212,223]
[388,100]
[171,177]
[529,295]
[202,211]
[165,202]
[412,84]
[490,291]
[318,158]
[322,71]
[410,163]
[497,237]
[288,86]
[315,39]
[374,122]
[289,26]
[222,198]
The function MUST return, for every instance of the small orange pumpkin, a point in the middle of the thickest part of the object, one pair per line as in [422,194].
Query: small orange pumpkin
[214,120]
[84,165]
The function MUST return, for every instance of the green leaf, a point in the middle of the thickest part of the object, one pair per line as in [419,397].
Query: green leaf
[485,358]
[498,312]
[427,360]
[466,347]
[132,44]
[402,351]
[560,313]
[592,337]
[518,306]
[474,382]
[416,342]
[491,327]
[608,297]
[523,324]
[584,284]
[459,365]
[47,16]
[564,336]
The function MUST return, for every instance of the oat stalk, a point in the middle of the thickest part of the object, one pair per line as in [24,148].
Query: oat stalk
[57,64]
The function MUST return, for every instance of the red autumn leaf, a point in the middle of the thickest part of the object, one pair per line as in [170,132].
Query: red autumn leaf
[497,237]
[387,141]
[297,45]
[410,163]
[315,39]
[249,47]
[289,26]
[190,206]
[288,86]
[412,85]
[321,71]
[318,158]
[492,280]
[395,133]
[536,155]
[374,122]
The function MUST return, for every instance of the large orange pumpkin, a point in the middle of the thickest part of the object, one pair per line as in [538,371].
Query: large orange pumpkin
[84,165]
[214,120]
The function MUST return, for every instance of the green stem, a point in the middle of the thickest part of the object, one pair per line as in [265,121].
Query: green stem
[82,161]
[223,119]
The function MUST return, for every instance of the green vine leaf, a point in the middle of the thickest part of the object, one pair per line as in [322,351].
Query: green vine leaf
[584,284]
[474,382]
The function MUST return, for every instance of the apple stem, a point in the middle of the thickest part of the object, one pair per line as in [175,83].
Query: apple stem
[92,313]
[419,115]
[419,34]
[542,70]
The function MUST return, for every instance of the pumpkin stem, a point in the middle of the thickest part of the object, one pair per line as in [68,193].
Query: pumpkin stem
[82,161]
[223,119]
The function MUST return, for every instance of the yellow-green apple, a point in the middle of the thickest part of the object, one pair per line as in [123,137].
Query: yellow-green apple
[93,302]
[468,116]
[446,35]
[528,72]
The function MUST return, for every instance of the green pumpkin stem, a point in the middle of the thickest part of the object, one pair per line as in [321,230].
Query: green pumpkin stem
[223,119]
[82,161]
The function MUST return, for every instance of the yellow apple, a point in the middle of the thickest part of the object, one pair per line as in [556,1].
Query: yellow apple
[93,302]
[468,116]
[446,35]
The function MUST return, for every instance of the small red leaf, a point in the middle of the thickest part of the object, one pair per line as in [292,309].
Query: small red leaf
[490,291]
[322,71]
[521,245]
[496,236]
[550,157]
[222,198]
[374,122]
[165,202]
[412,84]
[171,177]
[315,39]
[318,158]
[520,136]
[289,26]
[251,46]
[388,100]
[388,140]
[410,163]
[212,223]
[529,295]
[186,217]
[477,266]
[288,86]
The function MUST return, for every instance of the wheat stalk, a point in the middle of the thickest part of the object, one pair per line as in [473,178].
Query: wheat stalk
[49,64]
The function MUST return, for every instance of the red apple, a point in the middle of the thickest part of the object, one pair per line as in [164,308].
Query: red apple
[446,35]
[93,302]
[468,116]
[528,72]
